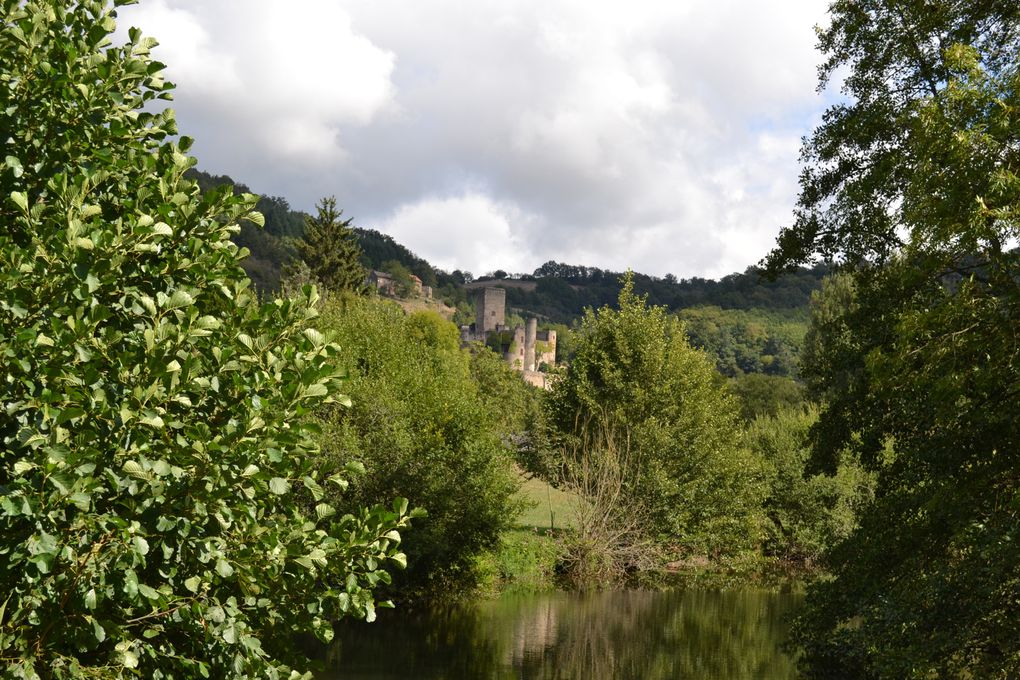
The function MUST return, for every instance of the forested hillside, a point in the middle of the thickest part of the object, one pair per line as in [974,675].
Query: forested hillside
[750,324]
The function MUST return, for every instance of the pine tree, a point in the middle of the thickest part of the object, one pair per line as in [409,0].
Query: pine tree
[331,251]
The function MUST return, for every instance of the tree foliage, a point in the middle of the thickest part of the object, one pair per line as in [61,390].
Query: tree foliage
[422,431]
[807,513]
[330,249]
[748,341]
[158,514]
[914,184]
[634,369]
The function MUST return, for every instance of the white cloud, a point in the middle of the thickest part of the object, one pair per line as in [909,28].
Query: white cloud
[470,228]
[504,133]
[286,78]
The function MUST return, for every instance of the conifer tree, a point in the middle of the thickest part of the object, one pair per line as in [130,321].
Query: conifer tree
[331,250]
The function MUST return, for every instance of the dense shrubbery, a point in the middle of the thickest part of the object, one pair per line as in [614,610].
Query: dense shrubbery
[806,514]
[663,401]
[159,516]
[423,431]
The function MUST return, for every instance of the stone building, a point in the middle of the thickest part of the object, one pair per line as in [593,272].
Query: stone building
[524,348]
[381,281]
[387,285]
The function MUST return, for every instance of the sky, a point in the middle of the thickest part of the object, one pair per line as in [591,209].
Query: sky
[657,135]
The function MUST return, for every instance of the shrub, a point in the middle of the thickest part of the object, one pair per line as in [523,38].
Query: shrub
[158,516]
[421,429]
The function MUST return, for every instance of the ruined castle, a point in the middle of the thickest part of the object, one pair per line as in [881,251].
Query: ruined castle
[525,349]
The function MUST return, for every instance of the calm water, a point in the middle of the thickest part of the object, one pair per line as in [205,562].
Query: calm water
[644,635]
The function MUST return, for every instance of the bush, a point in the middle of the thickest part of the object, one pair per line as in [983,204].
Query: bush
[158,517]
[807,513]
[634,370]
[421,429]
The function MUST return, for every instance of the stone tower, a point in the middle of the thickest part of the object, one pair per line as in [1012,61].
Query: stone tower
[490,310]
[529,344]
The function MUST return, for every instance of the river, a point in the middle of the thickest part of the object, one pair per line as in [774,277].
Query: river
[638,635]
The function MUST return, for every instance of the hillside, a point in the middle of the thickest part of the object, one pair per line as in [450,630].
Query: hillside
[751,324]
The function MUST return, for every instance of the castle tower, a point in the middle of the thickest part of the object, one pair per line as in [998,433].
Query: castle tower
[545,348]
[515,353]
[529,344]
[490,310]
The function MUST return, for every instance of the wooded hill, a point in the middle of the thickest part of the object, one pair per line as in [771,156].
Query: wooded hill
[751,324]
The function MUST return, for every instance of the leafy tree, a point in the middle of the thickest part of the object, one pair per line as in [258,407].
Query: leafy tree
[422,431]
[158,514]
[516,407]
[403,284]
[807,513]
[634,369]
[330,249]
[914,184]
[766,395]
[748,341]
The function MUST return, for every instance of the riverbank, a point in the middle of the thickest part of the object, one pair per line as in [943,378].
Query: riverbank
[530,558]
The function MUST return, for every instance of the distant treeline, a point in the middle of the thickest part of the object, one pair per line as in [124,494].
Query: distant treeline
[562,292]
[750,324]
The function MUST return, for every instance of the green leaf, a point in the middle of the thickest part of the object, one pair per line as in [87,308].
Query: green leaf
[23,466]
[223,568]
[152,420]
[193,583]
[90,599]
[179,299]
[134,468]
[15,165]
[98,631]
[279,485]
[230,635]
[129,659]
[316,390]
[148,591]
[20,200]
[130,583]
[141,545]
[324,510]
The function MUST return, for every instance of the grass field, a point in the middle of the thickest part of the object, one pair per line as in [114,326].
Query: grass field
[553,508]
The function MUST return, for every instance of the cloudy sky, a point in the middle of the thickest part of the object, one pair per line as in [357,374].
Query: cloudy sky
[660,135]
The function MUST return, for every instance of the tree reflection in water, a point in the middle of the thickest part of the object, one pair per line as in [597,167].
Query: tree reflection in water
[647,635]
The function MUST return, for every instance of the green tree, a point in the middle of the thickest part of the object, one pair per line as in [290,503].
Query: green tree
[516,407]
[403,284]
[330,249]
[422,431]
[807,512]
[766,395]
[158,513]
[914,184]
[634,369]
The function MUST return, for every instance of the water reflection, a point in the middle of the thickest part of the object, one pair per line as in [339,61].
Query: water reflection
[697,635]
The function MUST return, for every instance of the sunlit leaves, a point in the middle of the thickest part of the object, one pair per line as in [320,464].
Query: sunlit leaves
[156,481]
